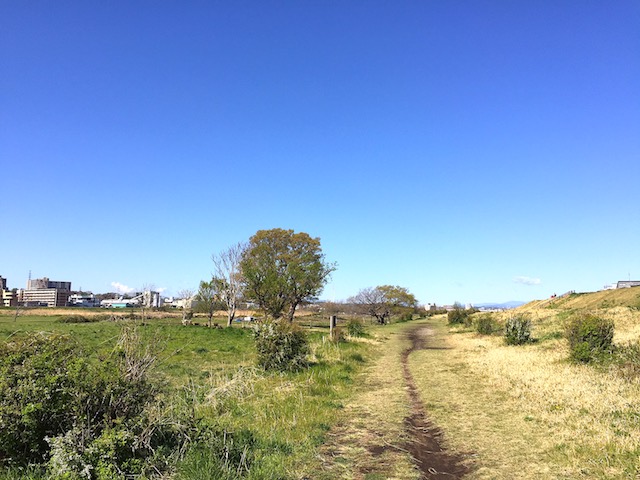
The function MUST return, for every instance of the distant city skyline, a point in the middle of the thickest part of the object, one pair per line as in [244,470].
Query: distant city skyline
[125,290]
[472,152]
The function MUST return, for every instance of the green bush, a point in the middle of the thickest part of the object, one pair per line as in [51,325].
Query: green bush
[518,330]
[355,328]
[460,315]
[589,337]
[40,377]
[86,419]
[457,316]
[281,346]
[78,319]
[486,324]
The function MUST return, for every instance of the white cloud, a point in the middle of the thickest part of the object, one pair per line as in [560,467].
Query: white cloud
[120,288]
[161,290]
[527,280]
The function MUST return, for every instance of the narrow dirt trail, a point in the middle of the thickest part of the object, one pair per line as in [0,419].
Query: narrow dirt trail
[425,445]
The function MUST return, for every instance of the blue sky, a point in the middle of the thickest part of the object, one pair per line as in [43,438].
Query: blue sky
[468,151]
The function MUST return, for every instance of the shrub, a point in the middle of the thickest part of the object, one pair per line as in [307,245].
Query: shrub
[460,315]
[589,337]
[39,380]
[86,419]
[355,328]
[281,346]
[518,330]
[486,324]
[456,316]
[78,319]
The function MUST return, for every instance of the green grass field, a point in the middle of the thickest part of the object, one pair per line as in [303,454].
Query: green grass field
[289,414]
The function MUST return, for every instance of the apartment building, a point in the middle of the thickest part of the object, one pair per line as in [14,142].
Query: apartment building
[8,298]
[44,292]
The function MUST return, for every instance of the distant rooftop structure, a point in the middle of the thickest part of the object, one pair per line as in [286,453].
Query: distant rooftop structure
[44,282]
[44,292]
[628,283]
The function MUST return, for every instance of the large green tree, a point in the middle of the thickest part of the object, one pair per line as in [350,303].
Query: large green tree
[282,269]
[382,301]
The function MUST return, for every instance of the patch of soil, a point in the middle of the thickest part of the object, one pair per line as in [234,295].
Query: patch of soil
[425,445]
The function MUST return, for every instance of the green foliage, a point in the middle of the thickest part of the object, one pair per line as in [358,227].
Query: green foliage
[589,337]
[94,420]
[355,328]
[281,346]
[208,300]
[438,311]
[78,319]
[384,300]
[398,297]
[281,269]
[459,315]
[405,317]
[486,324]
[37,379]
[518,330]
[288,413]
[220,456]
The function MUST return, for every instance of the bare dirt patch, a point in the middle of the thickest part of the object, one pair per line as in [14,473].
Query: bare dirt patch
[426,440]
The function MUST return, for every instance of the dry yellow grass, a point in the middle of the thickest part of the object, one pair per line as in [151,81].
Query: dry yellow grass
[591,301]
[526,412]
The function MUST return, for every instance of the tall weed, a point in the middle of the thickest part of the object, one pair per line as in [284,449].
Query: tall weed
[281,346]
[518,330]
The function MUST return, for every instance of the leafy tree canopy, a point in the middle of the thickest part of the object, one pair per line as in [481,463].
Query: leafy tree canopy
[398,296]
[382,301]
[282,269]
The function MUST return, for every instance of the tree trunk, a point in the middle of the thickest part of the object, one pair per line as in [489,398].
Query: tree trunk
[292,311]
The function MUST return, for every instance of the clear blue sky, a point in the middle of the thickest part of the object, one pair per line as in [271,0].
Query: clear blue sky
[471,151]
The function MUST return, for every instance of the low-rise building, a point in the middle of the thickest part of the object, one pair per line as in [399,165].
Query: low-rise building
[628,284]
[44,297]
[9,298]
[44,292]
[83,300]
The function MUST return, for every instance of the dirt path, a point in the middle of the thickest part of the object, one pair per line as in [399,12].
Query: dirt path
[383,431]
[425,444]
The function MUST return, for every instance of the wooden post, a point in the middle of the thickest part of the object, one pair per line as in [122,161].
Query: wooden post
[332,324]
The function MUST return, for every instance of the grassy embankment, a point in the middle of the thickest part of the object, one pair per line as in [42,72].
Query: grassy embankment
[527,412]
[289,414]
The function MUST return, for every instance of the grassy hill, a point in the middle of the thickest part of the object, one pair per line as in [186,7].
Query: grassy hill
[622,306]
[623,297]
